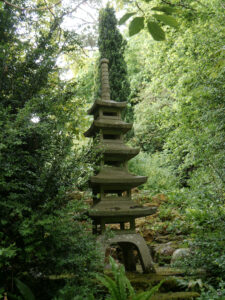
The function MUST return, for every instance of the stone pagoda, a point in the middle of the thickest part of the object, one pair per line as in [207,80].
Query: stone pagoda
[111,186]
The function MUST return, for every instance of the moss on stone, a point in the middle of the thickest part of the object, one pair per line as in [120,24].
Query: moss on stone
[176,296]
[146,281]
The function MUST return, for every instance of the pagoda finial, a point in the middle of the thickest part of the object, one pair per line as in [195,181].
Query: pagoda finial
[105,79]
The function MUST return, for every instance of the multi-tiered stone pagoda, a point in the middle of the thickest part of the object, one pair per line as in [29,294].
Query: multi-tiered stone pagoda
[112,203]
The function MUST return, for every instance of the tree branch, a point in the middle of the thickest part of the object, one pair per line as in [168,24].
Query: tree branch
[30,9]
[89,14]
[138,6]
[75,8]
[49,9]
[86,22]
[178,4]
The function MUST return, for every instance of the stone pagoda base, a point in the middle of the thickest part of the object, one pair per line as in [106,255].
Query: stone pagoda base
[128,242]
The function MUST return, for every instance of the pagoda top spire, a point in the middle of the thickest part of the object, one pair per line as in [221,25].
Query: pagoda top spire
[105,94]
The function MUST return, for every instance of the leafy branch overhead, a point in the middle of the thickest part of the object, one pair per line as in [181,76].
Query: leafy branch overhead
[151,20]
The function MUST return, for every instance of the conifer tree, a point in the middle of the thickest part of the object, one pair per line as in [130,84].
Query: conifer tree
[112,46]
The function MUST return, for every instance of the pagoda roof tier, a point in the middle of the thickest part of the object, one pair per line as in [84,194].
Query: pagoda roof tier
[120,208]
[117,150]
[106,103]
[109,125]
[115,178]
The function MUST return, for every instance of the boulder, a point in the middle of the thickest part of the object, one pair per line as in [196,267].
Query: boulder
[165,249]
[179,254]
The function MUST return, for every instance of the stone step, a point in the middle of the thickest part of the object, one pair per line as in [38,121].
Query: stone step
[147,282]
[175,296]
[170,288]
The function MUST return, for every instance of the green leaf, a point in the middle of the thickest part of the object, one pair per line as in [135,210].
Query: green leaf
[168,20]
[90,297]
[126,17]
[136,25]
[4,222]
[110,285]
[156,31]
[165,9]
[24,290]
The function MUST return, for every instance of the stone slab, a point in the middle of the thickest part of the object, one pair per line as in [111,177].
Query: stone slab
[120,208]
[176,296]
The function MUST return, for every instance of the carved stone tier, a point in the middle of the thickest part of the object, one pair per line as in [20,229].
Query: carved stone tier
[122,208]
[116,150]
[109,126]
[98,104]
[114,178]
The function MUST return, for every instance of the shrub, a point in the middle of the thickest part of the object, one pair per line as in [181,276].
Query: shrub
[161,177]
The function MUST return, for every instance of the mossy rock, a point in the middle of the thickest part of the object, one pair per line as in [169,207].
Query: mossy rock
[168,271]
[171,284]
[175,296]
[144,282]
[162,260]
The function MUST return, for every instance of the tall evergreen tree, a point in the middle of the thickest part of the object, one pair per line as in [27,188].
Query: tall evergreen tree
[112,46]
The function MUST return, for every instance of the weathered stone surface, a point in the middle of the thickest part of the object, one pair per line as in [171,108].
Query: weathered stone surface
[120,208]
[162,252]
[165,249]
[106,103]
[105,79]
[116,178]
[114,126]
[166,238]
[138,242]
[117,150]
[175,296]
[112,185]
[179,254]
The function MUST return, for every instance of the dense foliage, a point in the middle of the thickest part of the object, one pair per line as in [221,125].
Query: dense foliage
[179,89]
[42,235]
[120,287]
[151,18]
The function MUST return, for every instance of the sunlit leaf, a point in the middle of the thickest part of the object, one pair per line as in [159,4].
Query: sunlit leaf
[136,25]
[165,9]
[126,17]
[156,31]
[168,20]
